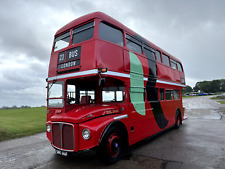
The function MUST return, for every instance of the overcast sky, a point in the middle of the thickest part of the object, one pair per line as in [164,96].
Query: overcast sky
[193,31]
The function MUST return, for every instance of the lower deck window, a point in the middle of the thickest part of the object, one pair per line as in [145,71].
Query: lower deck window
[161,91]
[169,94]
[55,94]
[152,93]
[176,94]
[113,94]
[55,103]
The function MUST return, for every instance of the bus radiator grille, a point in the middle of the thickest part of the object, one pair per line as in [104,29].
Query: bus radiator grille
[63,136]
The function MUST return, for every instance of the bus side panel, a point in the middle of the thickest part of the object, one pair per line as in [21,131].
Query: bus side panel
[170,106]
[169,110]
[142,119]
[109,56]
[141,126]
[88,58]
[143,60]
[168,73]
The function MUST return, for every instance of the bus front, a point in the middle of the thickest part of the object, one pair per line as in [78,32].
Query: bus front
[81,102]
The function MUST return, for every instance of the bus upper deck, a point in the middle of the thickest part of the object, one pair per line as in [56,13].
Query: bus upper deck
[97,41]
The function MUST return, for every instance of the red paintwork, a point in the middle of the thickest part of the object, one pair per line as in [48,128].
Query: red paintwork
[97,53]
[81,112]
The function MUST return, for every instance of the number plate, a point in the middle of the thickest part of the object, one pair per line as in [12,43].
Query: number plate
[61,152]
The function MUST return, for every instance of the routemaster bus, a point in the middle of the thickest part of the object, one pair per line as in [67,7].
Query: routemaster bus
[109,88]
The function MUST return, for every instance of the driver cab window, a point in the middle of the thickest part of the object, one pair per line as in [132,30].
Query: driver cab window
[87,97]
[71,95]
[77,95]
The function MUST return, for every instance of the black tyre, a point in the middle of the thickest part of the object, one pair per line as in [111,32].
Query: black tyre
[110,148]
[178,120]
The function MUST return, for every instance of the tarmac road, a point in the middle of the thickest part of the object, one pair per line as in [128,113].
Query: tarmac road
[199,143]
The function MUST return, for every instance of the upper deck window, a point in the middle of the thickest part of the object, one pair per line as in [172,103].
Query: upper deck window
[149,54]
[110,34]
[173,64]
[158,55]
[133,44]
[83,33]
[62,41]
[166,60]
[179,67]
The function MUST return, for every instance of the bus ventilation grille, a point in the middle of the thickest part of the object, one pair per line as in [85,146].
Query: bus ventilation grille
[63,136]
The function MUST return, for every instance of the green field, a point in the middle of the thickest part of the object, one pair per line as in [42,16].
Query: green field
[20,122]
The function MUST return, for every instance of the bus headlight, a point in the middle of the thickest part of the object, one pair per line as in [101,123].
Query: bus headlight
[86,134]
[48,128]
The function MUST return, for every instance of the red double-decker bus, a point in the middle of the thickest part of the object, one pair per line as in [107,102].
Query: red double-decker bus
[109,88]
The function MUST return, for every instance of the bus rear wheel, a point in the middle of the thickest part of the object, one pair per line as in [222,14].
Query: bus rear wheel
[110,148]
[178,120]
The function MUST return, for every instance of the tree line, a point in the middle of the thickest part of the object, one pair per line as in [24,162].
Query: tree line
[14,107]
[17,107]
[207,86]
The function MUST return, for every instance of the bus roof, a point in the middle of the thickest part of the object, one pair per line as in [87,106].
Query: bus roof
[112,21]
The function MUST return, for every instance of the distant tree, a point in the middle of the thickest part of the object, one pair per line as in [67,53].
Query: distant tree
[197,86]
[14,107]
[25,107]
[187,89]
[5,107]
[205,86]
[210,86]
[215,86]
[222,85]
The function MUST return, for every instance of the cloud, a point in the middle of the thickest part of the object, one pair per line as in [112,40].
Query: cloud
[22,81]
[192,31]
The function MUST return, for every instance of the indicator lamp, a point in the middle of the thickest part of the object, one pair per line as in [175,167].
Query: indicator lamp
[102,70]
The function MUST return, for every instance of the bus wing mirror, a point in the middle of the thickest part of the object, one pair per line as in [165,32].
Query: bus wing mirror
[101,82]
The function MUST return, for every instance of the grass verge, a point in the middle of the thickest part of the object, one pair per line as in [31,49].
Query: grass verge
[218,97]
[183,97]
[221,102]
[16,123]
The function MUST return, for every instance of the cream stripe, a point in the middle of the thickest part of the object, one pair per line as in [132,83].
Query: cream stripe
[95,71]
[88,72]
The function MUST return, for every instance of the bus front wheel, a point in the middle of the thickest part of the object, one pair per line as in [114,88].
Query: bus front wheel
[110,149]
